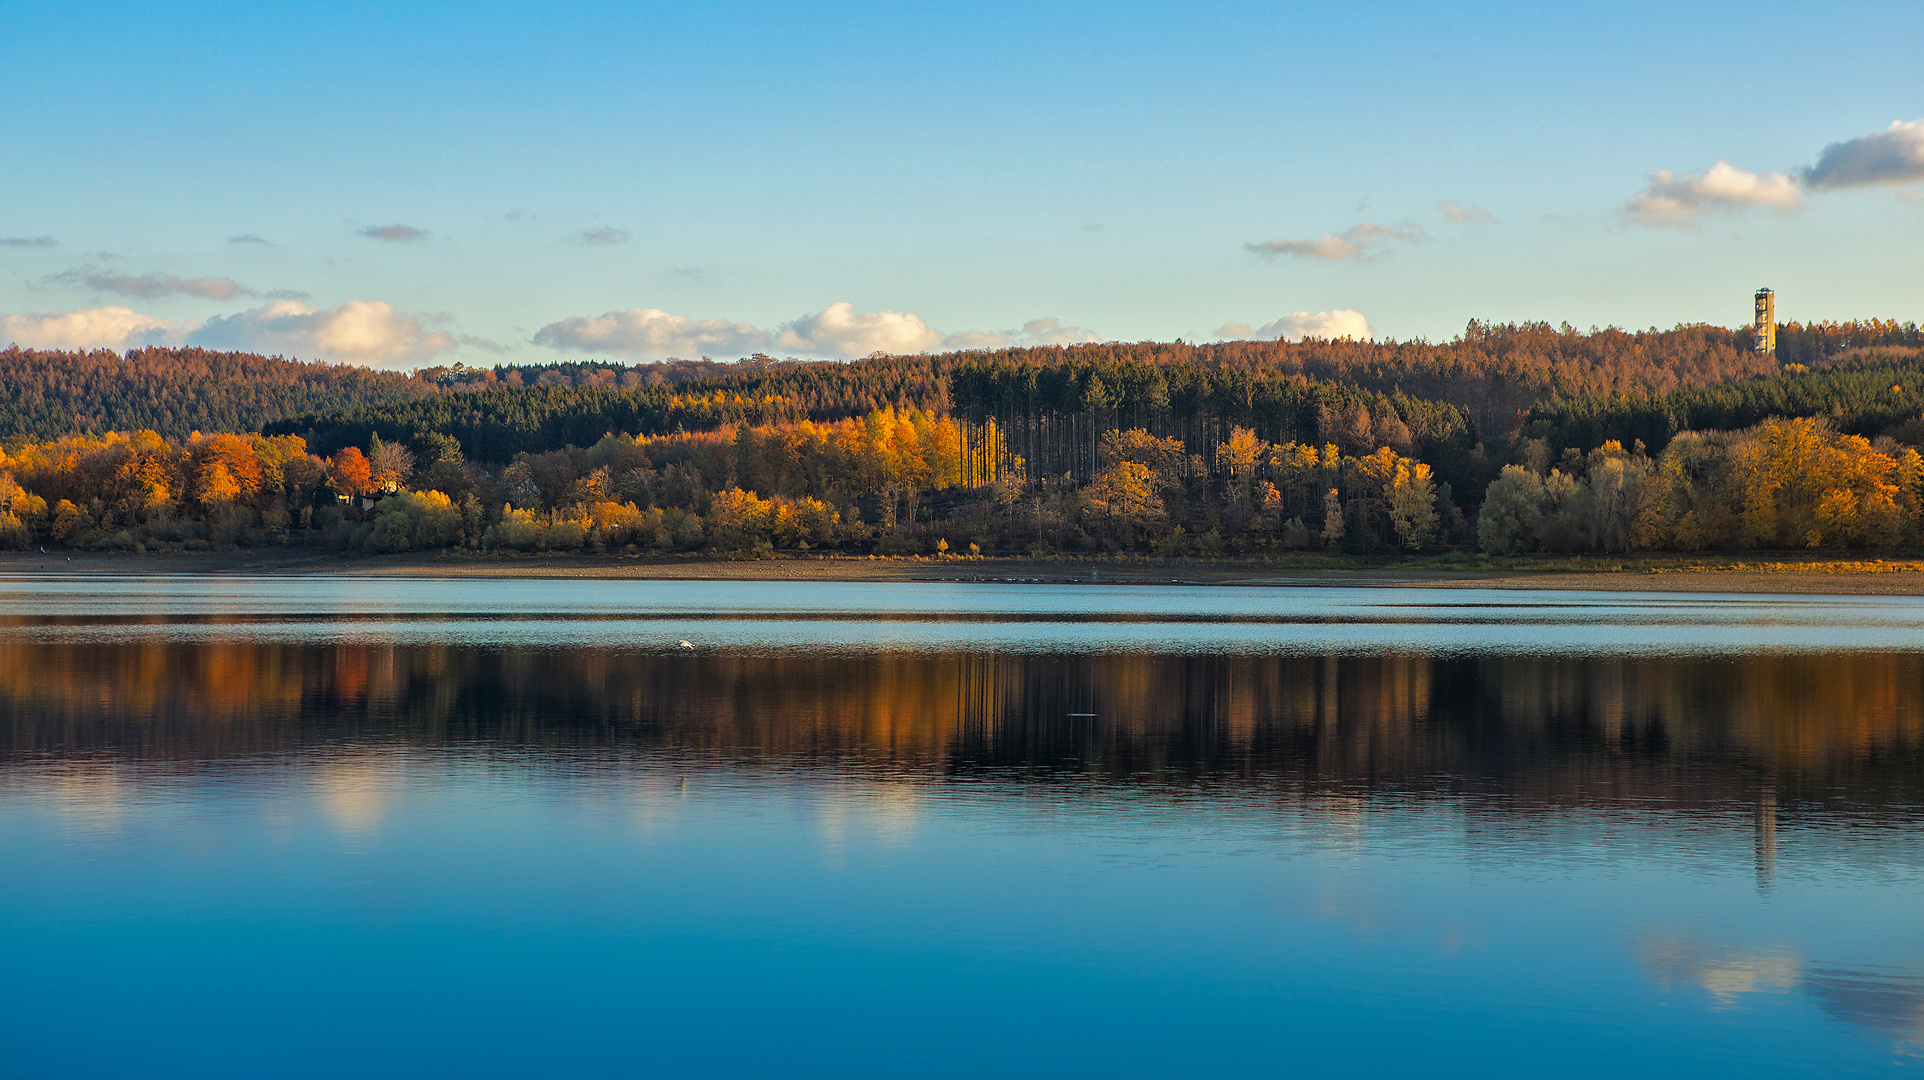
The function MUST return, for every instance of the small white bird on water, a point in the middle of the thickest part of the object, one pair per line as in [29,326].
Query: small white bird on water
[687,644]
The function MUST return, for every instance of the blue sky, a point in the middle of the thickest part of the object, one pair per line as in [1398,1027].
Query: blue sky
[429,183]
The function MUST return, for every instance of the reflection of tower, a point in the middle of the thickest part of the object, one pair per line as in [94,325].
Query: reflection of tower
[1766,840]
[1763,329]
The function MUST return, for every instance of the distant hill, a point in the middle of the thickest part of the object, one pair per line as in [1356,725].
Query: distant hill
[177,391]
[1479,385]
[1868,392]
[49,393]
[1483,384]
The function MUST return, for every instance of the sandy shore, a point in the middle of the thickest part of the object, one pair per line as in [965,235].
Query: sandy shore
[1897,577]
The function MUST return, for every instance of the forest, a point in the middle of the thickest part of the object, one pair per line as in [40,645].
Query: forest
[1492,372]
[1508,439]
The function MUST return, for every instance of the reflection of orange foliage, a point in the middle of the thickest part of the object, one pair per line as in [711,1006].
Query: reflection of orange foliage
[1674,730]
[345,677]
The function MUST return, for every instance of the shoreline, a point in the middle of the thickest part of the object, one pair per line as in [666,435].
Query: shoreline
[1712,574]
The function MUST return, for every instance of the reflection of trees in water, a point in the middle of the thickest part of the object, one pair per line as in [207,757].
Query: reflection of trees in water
[1535,730]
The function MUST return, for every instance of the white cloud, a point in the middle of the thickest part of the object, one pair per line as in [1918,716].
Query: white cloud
[1458,214]
[840,330]
[837,331]
[359,331]
[1678,199]
[395,234]
[1356,242]
[1892,156]
[90,328]
[1340,323]
[653,332]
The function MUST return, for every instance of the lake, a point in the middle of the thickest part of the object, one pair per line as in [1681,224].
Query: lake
[324,826]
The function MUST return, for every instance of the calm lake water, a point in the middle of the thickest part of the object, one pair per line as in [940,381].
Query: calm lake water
[340,826]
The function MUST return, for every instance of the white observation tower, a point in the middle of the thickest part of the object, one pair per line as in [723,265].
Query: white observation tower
[1763,329]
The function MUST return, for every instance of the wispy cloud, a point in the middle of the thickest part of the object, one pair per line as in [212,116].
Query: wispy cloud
[248,238]
[1894,156]
[1678,200]
[607,234]
[154,286]
[1366,240]
[396,234]
[1340,323]
[484,344]
[27,241]
[157,286]
[1034,332]
[1458,214]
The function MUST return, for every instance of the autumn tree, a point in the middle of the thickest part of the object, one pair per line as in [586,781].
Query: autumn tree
[1412,504]
[1122,499]
[223,469]
[348,472]
[390,465]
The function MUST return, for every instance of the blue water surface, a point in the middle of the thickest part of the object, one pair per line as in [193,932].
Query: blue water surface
[337,826]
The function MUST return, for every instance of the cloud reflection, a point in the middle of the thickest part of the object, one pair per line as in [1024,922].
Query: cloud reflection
[353,793]
[884,814]
[1886,1000]
[1725,973]
[1889,1001]
[87,799]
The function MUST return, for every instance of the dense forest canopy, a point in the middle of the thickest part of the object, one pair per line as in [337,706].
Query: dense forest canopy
[1869,392]
[1491,373]
[175,392]
[1509,438]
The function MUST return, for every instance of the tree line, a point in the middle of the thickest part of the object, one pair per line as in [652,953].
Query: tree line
[1787,483]
[1493,373]
[175,392]
[910,481]
[1870,393]
[1171,448]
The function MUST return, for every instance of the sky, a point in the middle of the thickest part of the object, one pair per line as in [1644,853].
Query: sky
[410,184]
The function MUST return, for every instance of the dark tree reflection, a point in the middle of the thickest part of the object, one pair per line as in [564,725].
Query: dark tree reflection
[1772,730]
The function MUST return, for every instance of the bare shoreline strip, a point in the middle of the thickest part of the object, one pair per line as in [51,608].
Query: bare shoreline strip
[1835,578]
